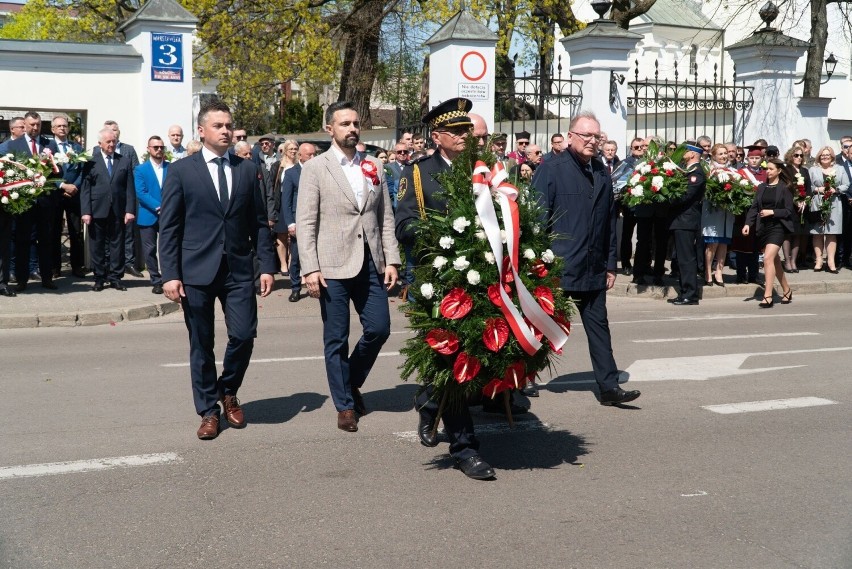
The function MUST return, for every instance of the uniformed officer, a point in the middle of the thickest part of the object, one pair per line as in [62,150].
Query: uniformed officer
[418,193]
[686,225]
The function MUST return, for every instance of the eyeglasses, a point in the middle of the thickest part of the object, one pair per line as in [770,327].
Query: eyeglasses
[523,142]
[847,146]
[403,152]
[740,154]
[156,147]
[799,155]
[588,136]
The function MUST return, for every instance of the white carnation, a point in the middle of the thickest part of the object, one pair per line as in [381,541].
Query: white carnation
[446,242]
[722,176]
[669,166]
[460,224]
[477,221]
[439,262]
[502,236]
[529,254]
[489,256]
[427,290]
[14,195]
[4,200]
[1,180]
[31,191]
[461,263]
[634,180]
[473,277]
[480,235]
[10,173]
[548,256]
[636,191]
[536,229]
[657,182]
[744,182]
[644,168]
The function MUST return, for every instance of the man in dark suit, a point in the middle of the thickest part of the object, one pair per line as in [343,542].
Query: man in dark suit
[108,203]
[41,216]
[686,225]
[69,202]
[212,221]
[844,250]
[131,231]
[289,196]
[148,178]
[575,192]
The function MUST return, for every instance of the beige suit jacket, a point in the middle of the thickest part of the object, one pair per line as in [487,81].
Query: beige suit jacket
[331,230]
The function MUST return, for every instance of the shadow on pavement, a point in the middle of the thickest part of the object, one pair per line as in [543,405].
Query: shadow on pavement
[396,400]
[282,409]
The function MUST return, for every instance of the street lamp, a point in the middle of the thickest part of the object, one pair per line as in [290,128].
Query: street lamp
[830,66]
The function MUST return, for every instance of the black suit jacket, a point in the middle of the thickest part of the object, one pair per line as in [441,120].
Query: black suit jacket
[195,231]
[19,147]
[579,208]
[102,193]
[782,208]
[686,210]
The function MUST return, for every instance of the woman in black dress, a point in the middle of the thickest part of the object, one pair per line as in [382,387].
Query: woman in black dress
[771,216]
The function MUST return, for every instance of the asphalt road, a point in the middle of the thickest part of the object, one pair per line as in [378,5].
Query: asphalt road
[665,483]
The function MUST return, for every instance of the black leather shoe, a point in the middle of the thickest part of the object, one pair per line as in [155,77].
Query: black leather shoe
[496,406]
[476,468]
[359,407]
[627,271]
[157,289]
[684,302]
[7,292]
[617,395]
[48,285]
[79,273]
[21,287]
[673,300]
[530,389]
[294,296]
[98,286]
[131,270]
[117,285]
[425,426]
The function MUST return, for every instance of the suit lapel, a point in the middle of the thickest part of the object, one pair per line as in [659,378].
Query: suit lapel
[336,171]
[236,182]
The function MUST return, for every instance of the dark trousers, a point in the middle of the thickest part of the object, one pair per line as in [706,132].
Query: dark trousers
[240,308]
[107,233]
[367,293]
[70,207]
[41,219]
[130,232]
[844,249]
[5,246]
[294,268]
[149,249]
[684,241]
[652,238]
[592,307]
[457,423]
[628,224]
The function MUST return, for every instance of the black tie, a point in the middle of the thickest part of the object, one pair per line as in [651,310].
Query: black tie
[223,183]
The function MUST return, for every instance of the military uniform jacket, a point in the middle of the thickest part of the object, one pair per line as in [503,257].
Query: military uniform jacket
[686,210]
[408,206]
[578,206]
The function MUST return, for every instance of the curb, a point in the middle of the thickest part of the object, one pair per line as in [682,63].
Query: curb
[89,317]
[728,291]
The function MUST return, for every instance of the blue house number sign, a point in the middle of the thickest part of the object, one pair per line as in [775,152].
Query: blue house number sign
[166,57]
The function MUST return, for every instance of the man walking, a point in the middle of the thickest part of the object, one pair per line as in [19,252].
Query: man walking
[213,218]
[353,259]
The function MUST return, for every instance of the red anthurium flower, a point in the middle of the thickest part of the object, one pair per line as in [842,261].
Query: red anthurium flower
[539,269]
[508,276]
[545,298]
[494,294]
[443,341]
[456,304]
[466,367]
[563,323]
[495,334]
[538,335]
[515,375]
[494,387]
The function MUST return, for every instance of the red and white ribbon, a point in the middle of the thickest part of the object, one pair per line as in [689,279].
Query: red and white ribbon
[485,182]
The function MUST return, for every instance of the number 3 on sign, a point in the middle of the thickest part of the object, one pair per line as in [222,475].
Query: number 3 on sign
[168,56]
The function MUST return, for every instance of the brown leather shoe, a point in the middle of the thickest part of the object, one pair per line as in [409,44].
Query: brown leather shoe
[346,421]
[233,411]
[209,428]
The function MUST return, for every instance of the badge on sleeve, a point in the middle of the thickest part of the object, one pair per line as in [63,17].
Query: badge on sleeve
[400,191]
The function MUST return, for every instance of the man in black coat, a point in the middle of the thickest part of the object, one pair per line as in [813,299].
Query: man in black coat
[686,226]
[575,192]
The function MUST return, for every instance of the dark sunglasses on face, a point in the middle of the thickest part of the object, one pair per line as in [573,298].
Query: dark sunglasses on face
[403,152]
[740,155]
[523,142]
[799,155]
[847,146]
[156,147]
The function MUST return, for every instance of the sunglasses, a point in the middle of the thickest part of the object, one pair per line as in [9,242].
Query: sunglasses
[636,147]
[156,147]
[799,155]
[523,142]
[847,146]
[537,152]
[403,152]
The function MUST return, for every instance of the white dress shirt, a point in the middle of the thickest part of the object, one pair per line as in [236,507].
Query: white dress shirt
[213,167]
[352,170]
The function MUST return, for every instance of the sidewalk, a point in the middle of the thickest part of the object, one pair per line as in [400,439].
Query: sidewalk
[75,304]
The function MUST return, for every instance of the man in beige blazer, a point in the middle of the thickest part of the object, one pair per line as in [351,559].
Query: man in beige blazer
[348,253]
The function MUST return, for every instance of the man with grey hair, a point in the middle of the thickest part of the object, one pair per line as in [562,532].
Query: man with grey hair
[131,231]
[705,143]
[574,190]
[16,130]
[243,150]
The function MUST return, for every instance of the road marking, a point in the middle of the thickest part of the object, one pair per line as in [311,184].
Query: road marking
[770,405]
[711,317]
[735,337]
[280,360]
[699,493]
[51,468]
[701,368]
[488,429]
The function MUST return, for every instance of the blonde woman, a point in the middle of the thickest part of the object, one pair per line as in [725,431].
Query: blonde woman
[825,234]
[287,151]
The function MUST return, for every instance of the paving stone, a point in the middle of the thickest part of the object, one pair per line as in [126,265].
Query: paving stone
[96,318]
[141,312]
[51,319]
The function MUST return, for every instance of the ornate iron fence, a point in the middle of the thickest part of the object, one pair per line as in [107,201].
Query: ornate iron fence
[678,110]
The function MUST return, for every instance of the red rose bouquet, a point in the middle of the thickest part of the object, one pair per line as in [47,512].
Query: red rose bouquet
[23,179]
[656,179]
[729,190]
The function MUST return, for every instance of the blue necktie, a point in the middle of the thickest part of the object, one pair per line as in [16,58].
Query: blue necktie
[109,165]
